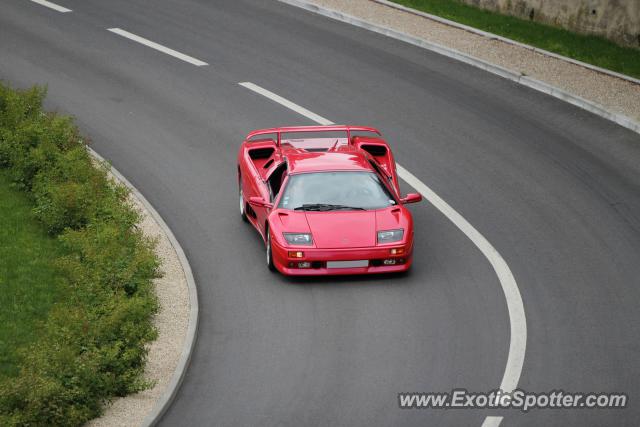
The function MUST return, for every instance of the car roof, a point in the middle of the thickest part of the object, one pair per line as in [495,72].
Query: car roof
[303,161]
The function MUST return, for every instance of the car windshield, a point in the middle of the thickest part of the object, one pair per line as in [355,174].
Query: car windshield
[324,191]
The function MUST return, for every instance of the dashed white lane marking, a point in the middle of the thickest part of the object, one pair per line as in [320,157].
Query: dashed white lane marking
[285,102]
[158,47]
[491,421]
[515,306]
[53,6]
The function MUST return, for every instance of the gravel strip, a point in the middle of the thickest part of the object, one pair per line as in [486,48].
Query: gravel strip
[171,321]
[617,95]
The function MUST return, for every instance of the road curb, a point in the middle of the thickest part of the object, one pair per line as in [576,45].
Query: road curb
[504,39]
[522,79]
[170,392]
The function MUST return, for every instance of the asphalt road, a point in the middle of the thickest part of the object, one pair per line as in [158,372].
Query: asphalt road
[555,189]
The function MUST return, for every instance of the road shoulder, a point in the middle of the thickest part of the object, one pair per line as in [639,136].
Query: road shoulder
[606,95]
[176,322]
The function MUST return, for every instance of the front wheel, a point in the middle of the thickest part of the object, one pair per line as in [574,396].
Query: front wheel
[269,253]
[243,213]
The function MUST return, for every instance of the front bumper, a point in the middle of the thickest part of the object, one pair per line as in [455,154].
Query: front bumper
[319,258]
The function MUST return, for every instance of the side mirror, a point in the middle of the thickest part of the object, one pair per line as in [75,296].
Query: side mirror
[411,198]
[260,202]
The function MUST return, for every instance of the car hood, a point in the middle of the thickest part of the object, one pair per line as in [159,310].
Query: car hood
[350,229]
[342,229]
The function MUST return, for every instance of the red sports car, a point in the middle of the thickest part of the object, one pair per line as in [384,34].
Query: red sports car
[325,200]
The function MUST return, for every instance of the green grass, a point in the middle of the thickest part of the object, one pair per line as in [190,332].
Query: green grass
[591,49]
[29,284]
[76,273]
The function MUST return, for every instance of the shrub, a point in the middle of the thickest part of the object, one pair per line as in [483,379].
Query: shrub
[93,345]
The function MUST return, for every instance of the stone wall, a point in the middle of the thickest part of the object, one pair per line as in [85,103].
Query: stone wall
[618,20]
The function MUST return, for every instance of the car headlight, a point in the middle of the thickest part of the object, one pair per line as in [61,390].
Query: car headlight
[298,238]
[390,236]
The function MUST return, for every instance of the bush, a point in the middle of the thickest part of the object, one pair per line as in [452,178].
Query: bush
[93,345]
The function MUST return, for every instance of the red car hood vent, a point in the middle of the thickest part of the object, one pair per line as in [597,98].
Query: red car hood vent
[349,229]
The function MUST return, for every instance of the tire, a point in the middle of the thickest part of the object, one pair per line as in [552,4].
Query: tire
[270,264]
[243,213]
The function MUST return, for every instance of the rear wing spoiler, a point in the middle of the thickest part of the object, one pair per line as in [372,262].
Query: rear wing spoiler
[332,128]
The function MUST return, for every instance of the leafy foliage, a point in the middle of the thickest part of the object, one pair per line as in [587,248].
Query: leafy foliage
[91,346]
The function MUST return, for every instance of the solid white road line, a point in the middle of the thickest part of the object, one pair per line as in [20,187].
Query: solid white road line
[52,6]
[159,47]
[517,320]
[515,306]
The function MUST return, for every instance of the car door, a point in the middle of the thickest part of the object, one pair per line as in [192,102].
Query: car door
[270,187]
[255,161]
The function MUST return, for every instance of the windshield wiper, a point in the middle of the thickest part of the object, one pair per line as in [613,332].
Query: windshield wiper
[326,207]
